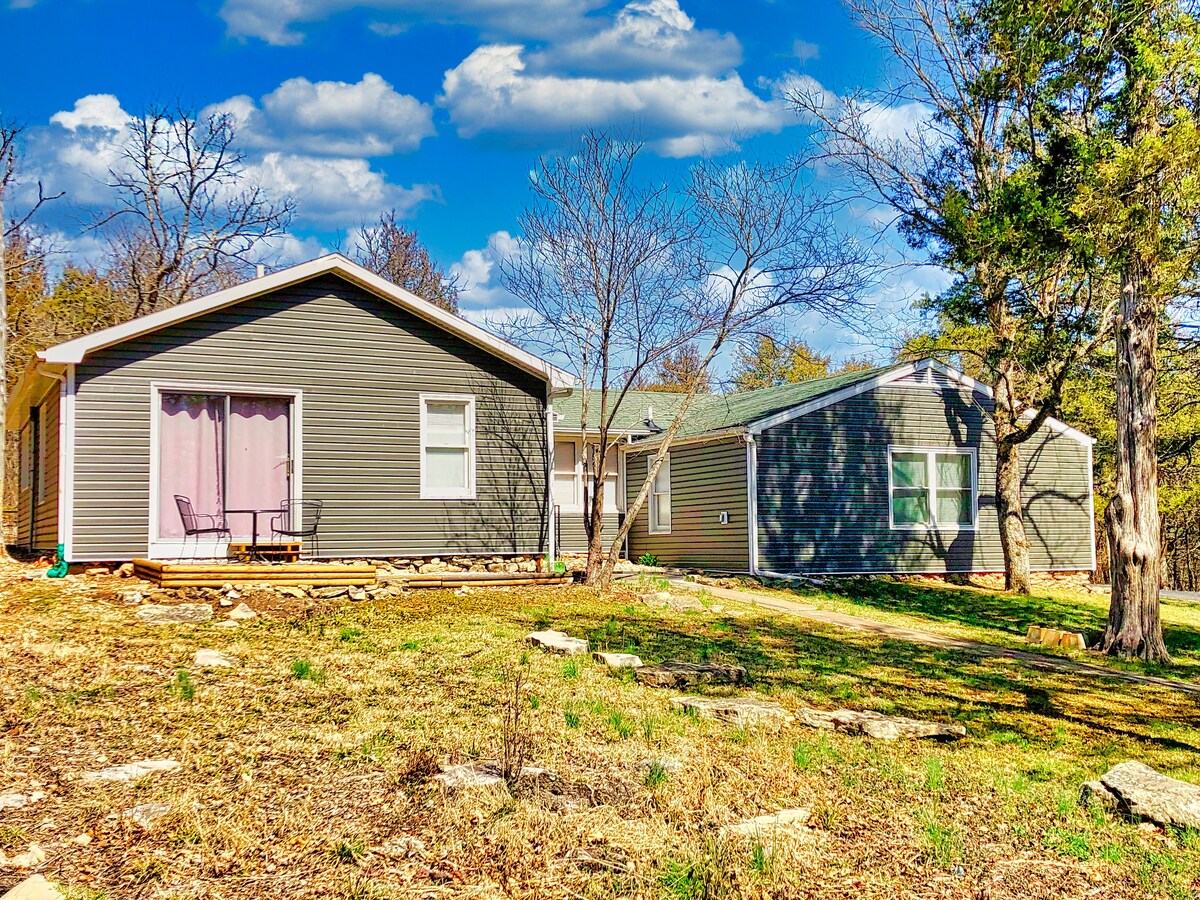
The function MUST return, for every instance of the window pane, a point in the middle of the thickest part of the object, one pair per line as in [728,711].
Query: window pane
[564,456]
[662,481]
[610,493]
[910,507]
[910,470]
[610,463]
[662,510]
[564,489]
[446,469]
[446,424]
[954,507]
[954,470]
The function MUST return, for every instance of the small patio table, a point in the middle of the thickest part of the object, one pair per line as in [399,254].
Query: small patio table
[254,514]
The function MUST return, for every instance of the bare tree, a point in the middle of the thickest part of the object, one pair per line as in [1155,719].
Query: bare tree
[188,217]
[768,247]
[10,134]
[603,267]
[396,253]
[940,146]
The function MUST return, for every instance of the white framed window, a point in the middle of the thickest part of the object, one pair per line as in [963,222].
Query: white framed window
[26,452]
[932,488]
[660,499]
[566,475]
[611,479]
[447,446]
[43,429]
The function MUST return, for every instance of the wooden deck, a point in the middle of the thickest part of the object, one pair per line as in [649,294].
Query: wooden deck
[216,574]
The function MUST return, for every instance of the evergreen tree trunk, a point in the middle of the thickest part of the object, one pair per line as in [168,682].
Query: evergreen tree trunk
[1014,542]
[1134,628]
[1010,509]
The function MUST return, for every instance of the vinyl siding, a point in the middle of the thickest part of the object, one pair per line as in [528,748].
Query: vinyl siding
[572,536]
[37,522]
[706,480]
[361,363]
[45,523]
[823,501]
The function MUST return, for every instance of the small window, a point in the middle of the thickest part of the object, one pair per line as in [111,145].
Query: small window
[447,446]
[611,478]
[932,488]
[26,450]
[566,477]
[43,428]
[660,500]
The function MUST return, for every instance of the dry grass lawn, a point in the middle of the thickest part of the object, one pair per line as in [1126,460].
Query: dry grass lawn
[306,770]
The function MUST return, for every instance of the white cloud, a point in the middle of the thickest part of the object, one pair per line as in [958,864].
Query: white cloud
[490,91]
[93,111]
[894,123]
[805,50]
[277,21]
[646,36]
[336,191]
[287,250]
[478,275]
[335,118]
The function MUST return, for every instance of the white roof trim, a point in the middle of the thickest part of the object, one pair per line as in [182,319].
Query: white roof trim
[895,374]
[73,352]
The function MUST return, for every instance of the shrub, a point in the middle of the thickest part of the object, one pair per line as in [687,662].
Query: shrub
[647,559]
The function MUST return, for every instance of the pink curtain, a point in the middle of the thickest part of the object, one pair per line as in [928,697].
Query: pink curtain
[190,458]
[259,459]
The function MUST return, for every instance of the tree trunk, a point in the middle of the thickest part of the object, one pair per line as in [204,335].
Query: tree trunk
[1134,628]
[1010,509]
[594,513]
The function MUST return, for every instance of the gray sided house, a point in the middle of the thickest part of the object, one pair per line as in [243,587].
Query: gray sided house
[888,470]
[419,432]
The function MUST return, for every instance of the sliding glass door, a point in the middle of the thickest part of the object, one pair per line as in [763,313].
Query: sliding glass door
[222,452]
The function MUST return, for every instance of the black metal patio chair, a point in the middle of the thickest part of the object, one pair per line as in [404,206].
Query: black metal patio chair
[299,519]
[196,524]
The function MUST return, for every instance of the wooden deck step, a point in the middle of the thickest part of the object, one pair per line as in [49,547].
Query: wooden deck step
[216,574]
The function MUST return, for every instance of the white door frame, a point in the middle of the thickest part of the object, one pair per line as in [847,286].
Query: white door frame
[178,549]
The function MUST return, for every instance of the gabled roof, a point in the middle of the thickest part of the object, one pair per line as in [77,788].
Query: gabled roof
[630,417]
[755,411]
[75,351]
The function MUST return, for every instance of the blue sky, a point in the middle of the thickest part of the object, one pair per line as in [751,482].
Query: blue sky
[438,108]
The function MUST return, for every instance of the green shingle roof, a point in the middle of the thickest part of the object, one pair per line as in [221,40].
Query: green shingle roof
[708,412]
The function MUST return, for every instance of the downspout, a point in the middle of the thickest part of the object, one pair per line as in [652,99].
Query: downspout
[752,500]
[61,566]
[551,525]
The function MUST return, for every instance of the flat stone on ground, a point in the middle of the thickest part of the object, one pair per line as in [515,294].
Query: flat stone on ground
[677,674]
[768,825]
[738,711]
[214,659]
[147,814]
[877,725]
[558,642]
[618,660]
[242,612]
[1147,794]
[178,614]
[17,801]
[35,887]
[132,771]
[479,775]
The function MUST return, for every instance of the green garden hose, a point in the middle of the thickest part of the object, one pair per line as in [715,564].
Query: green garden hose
[59,569]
